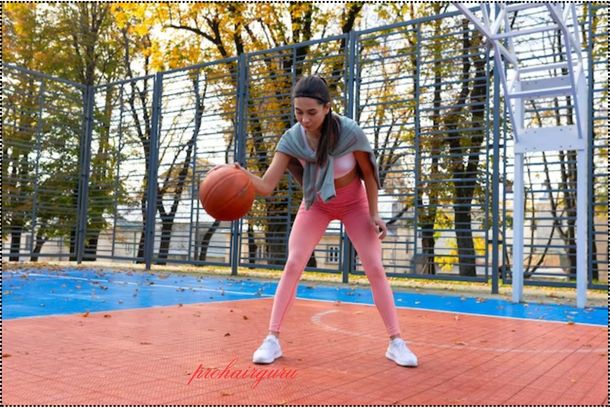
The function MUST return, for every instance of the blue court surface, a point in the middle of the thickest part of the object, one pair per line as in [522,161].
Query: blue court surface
[40,292]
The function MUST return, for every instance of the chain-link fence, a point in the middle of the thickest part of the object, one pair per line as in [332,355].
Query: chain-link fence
[112,171]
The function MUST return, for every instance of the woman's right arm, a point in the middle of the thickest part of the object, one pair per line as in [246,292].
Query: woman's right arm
[264,186]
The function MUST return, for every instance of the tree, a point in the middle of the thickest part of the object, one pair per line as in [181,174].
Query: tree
[38,39]
[24,35]
[466,145]
[226,30]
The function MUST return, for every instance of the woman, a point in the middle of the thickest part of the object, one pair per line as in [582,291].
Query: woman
[334,156]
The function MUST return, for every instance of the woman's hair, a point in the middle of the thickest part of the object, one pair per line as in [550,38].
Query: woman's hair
[316,87]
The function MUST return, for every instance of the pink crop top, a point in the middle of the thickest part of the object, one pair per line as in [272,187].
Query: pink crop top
[342,165]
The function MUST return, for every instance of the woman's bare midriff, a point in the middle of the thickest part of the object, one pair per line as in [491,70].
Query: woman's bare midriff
[347,179]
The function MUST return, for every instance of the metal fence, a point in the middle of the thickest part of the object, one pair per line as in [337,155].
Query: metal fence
[111,171]
[43,121]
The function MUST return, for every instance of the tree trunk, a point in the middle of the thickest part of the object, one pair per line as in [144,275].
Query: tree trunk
[166,235]
[40,241]
[428,243]
[205,241]
[73,255]
[463,231]
[91,247]
[16,230]
[464,175]
[252,247]
[140,255]
[312,262]
[277,235]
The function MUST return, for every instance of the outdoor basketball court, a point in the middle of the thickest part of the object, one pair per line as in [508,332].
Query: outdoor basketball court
[90,337]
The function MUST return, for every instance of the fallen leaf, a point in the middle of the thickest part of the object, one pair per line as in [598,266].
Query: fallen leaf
[5,355]
[459,343]
[245,317]
[107,316]
[225,394]
[86,314]
[227,334]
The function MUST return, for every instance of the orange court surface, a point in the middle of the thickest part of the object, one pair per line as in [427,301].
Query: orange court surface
[199,352]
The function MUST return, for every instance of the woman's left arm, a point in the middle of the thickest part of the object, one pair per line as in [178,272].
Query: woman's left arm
[362,158]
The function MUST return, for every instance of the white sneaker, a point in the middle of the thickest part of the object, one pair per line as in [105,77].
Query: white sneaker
[400,353]
[268,351]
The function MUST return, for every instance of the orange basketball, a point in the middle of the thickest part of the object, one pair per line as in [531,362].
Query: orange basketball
[226,193]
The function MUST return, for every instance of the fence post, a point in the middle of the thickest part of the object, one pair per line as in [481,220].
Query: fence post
[35,198]
[347,262]
[151,193]
[417,149]
[85,167]
[590,153]
[495,191]
[240,152]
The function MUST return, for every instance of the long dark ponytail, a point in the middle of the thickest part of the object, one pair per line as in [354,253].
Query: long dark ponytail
[316,87]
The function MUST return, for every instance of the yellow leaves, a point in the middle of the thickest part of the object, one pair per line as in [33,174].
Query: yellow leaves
[180,55]
[447,261]
[157,58]
[137,18]
[479,245]
[120,16]
[140,30]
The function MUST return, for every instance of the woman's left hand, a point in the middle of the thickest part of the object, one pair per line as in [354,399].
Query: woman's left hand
[380,226]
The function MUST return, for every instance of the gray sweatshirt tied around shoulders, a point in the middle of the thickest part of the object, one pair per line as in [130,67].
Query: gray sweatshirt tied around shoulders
[322,180]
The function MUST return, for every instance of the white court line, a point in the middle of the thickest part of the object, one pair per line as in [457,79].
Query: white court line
[317,320]
[200,288]
[425,309]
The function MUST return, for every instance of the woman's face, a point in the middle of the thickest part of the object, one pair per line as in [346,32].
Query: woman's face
[310,113]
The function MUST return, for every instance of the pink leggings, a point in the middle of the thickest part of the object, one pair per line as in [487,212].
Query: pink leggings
[350,206]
